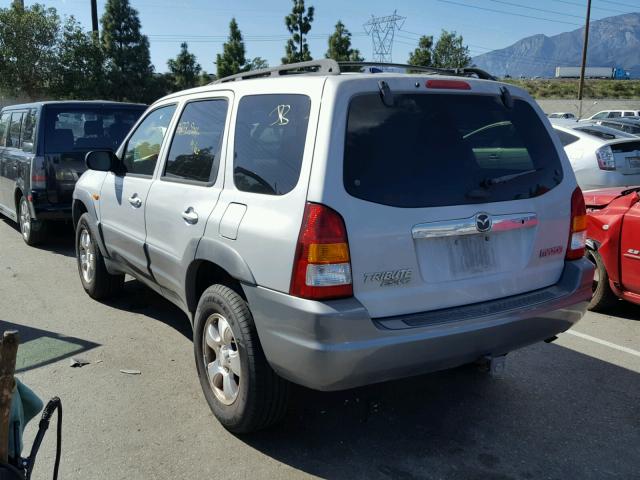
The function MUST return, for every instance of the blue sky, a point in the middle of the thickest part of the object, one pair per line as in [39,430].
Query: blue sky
[484,24]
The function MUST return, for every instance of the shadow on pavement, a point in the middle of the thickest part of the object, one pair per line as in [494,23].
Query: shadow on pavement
[556,413]
[626,310]
[136,297]
[40,347]
[60,237]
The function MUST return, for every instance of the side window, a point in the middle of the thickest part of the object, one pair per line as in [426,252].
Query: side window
[195,148]
[566,138]
[4,127]
[28,131]
[628,114]
[15,126]
[141,154]
[615,114]
[600,115]
[270,136]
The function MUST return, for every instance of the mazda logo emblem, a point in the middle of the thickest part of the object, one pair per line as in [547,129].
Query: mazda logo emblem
[483,222]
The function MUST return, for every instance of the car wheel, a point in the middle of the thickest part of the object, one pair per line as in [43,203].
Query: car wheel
[95,278]
[32,230]
[243,391]
[603,297]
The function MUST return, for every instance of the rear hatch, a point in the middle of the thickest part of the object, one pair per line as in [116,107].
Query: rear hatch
[73,130]
[453,198]
[627,156]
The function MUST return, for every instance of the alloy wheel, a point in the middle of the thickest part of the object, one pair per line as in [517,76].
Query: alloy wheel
[87,256]
[25,219]
[221,359]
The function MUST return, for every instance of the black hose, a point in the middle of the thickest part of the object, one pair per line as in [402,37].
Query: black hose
[51,407]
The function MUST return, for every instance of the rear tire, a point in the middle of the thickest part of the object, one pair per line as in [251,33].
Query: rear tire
[32,231]
[95,278]
[603,297]
[243,391]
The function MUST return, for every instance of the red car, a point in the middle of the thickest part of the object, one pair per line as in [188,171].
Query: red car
[613,244]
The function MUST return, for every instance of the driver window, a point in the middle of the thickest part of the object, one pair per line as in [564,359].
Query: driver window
[141,154]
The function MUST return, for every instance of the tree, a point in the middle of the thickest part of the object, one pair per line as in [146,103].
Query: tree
[450,52]
[233,59]
[184,68]
[423,55]
[27,48]
[340,46]
[79,64]
[298,23]
[128,62]
[257,63]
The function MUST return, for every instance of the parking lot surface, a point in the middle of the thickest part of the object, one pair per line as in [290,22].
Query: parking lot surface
[570,409]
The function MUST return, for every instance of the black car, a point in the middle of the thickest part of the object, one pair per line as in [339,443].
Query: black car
[42,150]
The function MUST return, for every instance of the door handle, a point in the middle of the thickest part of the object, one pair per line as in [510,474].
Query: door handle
[135,201]
[494,156]
[190,216]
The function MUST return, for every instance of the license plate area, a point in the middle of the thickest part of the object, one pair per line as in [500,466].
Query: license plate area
[633,162]
[471,254]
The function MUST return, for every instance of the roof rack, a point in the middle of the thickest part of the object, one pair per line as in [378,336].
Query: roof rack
[327,66]
[459,72]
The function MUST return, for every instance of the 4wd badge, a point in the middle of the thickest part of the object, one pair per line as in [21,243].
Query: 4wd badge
[389,278]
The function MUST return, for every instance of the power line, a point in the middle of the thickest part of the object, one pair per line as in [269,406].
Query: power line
[592,8]
[618,3]
[536,9]
[507,13]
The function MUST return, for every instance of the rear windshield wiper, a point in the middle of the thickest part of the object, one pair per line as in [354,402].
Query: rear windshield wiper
[506,178]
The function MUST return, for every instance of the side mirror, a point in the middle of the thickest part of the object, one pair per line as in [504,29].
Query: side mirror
[102,161]
[27,147]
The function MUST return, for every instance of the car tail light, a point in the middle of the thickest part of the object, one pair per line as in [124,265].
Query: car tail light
[38,174]
[322,266]
[578,231]
[448,84]
[606,160]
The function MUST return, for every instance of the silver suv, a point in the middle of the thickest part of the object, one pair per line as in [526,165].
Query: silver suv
[339,229]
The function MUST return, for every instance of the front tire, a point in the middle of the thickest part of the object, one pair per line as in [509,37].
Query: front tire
[95,278]
[603,297]
[33,231]
[243,391]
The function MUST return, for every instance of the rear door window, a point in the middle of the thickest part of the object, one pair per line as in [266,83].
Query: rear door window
[435,150]
[15,127]
[195,149]
[4,127]
[270,136]
[615,114]
[29,131]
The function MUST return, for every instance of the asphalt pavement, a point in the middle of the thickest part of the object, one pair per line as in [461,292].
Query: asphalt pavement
[565,410]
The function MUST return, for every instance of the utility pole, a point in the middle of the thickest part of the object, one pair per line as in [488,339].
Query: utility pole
[18,4]
[382,31]
[584,57]
[94,17]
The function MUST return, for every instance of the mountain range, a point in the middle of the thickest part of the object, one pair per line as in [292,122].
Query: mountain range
[613,42]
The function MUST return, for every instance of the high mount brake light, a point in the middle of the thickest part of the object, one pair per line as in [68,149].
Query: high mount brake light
[578,230]
[448,84]
[322,267]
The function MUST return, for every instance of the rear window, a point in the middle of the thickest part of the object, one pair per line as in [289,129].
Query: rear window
[68,130]
[434,150]
[601,133]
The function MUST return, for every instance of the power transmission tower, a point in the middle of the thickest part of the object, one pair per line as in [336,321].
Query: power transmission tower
[382,31]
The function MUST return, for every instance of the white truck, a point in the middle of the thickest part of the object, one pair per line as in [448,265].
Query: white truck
[615,73]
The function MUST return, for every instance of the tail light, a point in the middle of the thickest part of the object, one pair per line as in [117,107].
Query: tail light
[322,266]
[38,174]
[606,160]
[578,231]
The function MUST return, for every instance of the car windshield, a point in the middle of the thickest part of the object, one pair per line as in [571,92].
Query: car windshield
[81,129]
[437,149]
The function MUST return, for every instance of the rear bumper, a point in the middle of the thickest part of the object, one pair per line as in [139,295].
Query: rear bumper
[45,210]
[336,345]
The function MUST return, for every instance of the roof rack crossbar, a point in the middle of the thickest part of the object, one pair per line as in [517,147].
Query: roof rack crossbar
[466,71]
[324,66]
[327,66]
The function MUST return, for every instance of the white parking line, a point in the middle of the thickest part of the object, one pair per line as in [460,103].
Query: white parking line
[604,342]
